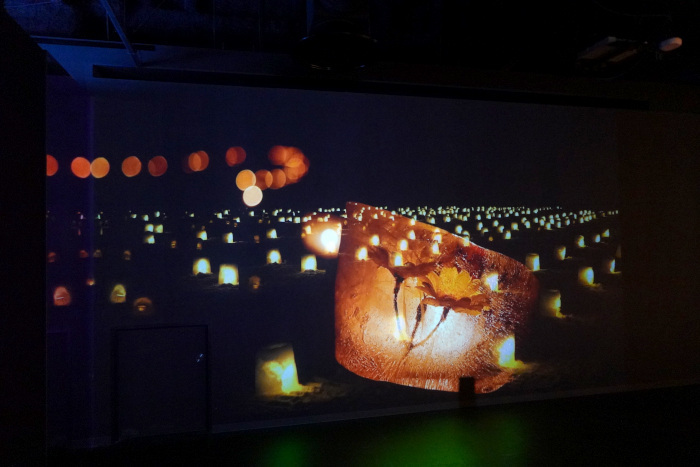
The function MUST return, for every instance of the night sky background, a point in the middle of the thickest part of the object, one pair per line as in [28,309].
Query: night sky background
[375,149]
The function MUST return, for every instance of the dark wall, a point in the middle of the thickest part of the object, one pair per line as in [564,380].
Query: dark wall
[22,404]
[660,188]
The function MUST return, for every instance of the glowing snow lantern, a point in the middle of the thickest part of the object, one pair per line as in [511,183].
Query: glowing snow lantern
[458,229]
[609,265]
[507,235]
[227,237]
[148,228]
[374,240]
[274,257]
[506,354]
[532,261]
[61,296]
[143,306]
[308,263]
[201,266]
[272,233]
[403,244]
[159,228]
[420,323]
[585,275]
[606,233]
[202,234]
[149,239]
[228,274]
[595,238]
[580,242]
[118,294]
[276,371]
[560,252]
[550,303]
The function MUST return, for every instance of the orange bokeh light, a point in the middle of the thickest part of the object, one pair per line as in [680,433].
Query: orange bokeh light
[99,167]
[157,166]
[51,166]
[279,179]
[80,167]
[263,179]
[235,155]
[131,166]
[278,155]
[198,161]
[244,179]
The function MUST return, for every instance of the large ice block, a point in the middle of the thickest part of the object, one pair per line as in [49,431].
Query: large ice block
[418,306]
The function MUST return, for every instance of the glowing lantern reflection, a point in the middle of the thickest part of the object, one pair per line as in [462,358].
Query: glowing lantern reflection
[228,274]
[550,303]
[276,371]
[118,294]
[491,281]
[61,296]
[274,257]
[585,276]
[532,261]
[201,266]
[308,263]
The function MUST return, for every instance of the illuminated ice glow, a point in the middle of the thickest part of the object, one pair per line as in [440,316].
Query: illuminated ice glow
[228,274]
[276,372]
[428,320]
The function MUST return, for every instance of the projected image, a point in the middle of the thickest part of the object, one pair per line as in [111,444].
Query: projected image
[273,265]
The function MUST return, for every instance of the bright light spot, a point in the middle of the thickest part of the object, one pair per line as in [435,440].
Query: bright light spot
[308,263]
[274,257]
[80,167]
[148,228]
[131,166]
[51,166]
[227,237]
[202,235]
[398,259]
[201,266]
[61,296]
[435,248]
[235,155]
[157,166]
[606,233]
[272,233]
[403,245]
[252,196]
[609,265]
[245,179]
[159,228]
[585,276]
[374,240]
[595,238]
[228,274]
[532,261]
[491,281]
[149,239]
[276,371]
[411,235]
[458,229]
[330,240]
[118,294]
[99,168]
[361,254]
[580,242]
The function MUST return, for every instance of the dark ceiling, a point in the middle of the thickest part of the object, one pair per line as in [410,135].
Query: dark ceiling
[500,35]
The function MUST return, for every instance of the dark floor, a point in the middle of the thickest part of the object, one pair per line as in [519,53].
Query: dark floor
[643,427]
